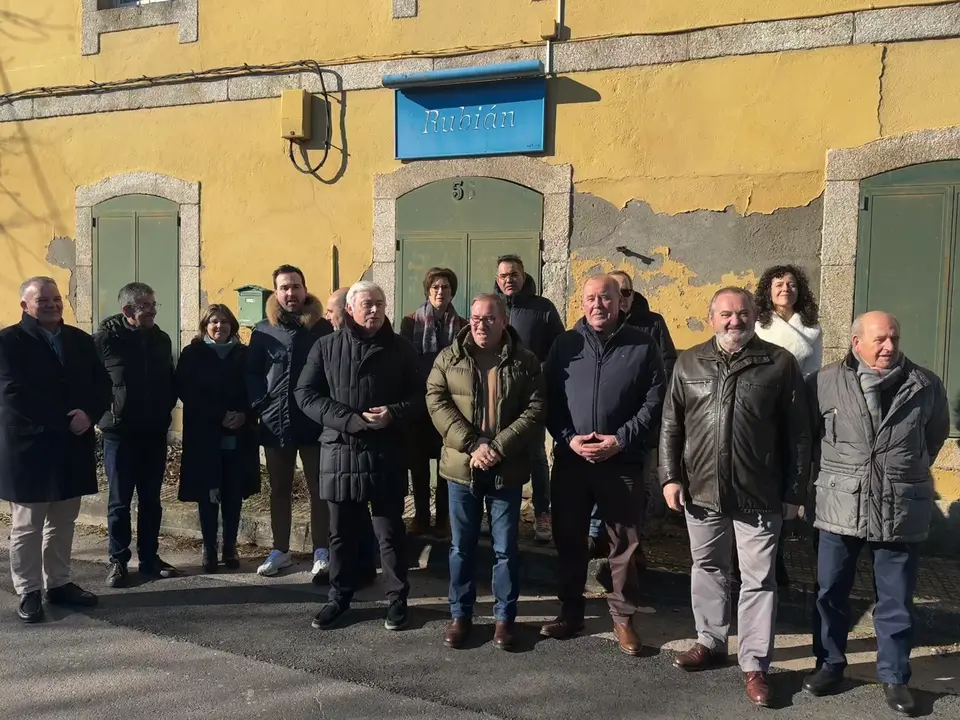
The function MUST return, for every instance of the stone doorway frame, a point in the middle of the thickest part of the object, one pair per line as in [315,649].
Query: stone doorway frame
[187,196]
[554,182]
[841,218]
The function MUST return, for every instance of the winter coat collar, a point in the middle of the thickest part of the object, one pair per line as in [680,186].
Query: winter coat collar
[310,314]
[32,327]
[382,337]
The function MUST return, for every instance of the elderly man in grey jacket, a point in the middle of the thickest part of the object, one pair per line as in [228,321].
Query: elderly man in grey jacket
[881,421]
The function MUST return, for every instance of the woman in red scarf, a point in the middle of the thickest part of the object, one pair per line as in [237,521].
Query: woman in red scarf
[431,328]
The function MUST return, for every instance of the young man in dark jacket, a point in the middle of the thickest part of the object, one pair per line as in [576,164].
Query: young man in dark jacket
[605,387]
[278,351]
[138,356]
[52,389]
[363,384]
[538,324]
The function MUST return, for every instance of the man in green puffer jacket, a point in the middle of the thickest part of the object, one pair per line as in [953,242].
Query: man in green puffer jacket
[486,398]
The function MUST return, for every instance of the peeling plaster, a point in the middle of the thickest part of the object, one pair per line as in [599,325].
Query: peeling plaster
[685,258]
[62,252]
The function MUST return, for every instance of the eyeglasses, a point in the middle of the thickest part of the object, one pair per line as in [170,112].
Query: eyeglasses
[626,292]
[485,319]
[145,308]
[439,288]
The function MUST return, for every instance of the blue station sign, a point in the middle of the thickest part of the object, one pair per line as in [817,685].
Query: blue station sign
[483,116]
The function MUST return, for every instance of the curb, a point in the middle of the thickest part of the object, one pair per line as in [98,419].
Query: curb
[937,622]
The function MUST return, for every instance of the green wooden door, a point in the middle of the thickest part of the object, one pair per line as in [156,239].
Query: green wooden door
[136,238]
[464,224]
[908,261]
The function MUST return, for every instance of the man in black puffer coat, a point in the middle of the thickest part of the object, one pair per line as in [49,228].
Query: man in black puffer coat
[138,356]
[538,324]
[363,384]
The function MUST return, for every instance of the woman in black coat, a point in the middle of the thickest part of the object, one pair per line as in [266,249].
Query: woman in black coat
[220,466]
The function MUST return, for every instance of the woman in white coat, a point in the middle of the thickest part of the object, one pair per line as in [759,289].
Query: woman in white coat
[788,316]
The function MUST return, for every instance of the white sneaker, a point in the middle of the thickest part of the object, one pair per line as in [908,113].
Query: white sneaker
[275,562]
[542,530]
[321,561]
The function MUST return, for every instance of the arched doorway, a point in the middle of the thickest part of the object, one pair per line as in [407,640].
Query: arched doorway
[464,223]
[136,238]
[908,260]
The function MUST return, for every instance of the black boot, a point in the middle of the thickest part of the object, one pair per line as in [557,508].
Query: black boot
[823,681]
[900,699]
[230,557]
[210,559]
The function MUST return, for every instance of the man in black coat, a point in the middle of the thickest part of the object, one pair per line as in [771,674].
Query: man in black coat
[637,312]
[538,324]
[278,350]
[52,390]
[138,356]
[605,388]
[363,384]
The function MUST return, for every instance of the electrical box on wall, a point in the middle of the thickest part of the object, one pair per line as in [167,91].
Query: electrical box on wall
[295,114]
[252,304]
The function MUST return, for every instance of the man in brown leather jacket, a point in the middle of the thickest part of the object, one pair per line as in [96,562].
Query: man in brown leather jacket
[735,456]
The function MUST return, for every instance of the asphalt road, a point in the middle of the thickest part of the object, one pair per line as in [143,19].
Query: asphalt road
[238,646]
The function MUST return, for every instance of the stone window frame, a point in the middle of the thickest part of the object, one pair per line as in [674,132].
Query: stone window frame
[846,168]
[553,182]
[96,21]
[187,196]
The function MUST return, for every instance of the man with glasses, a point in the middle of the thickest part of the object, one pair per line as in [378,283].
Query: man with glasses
[605,387]
[538,324]
[486,428]
[363,385]
[138,356]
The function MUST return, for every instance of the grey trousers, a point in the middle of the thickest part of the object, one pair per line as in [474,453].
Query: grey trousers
[711,540]
[41,538]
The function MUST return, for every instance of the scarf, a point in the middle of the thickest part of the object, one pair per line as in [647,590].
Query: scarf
[433,332]
[804,343]
[221,349]
[873,383]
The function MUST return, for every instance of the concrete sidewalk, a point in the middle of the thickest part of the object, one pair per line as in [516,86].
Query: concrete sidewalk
[666,548]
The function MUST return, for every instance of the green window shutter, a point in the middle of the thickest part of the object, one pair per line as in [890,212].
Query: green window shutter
[158,265]
[417,253]
[115,261]
[905,243]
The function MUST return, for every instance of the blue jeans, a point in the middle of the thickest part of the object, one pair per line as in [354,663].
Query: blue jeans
[540,473]
[466,509]
[895,569]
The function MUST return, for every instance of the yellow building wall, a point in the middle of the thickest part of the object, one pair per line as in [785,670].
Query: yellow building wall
[587,18]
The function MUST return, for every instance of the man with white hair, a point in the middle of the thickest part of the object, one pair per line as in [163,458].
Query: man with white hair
[52,390]
[880,421]
[363,384]
[735,456]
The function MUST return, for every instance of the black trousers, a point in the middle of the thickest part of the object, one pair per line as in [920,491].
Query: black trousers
[346,528]
[231,503]
[619,492]
[134,462]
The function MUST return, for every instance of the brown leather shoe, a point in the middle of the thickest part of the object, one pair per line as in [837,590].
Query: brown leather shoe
[457,632]
[758,689]
[627,638]
[562,628]
[503,635]
[699,657]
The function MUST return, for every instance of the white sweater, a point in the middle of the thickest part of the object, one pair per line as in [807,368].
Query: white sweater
[804,343]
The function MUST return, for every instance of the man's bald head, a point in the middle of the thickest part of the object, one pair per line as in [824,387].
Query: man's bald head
[336,307]
[875,339]
[601,302]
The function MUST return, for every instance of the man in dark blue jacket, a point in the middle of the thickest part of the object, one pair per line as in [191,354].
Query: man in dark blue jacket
[278,351]
[605,389]
[138,356]
[538,324]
